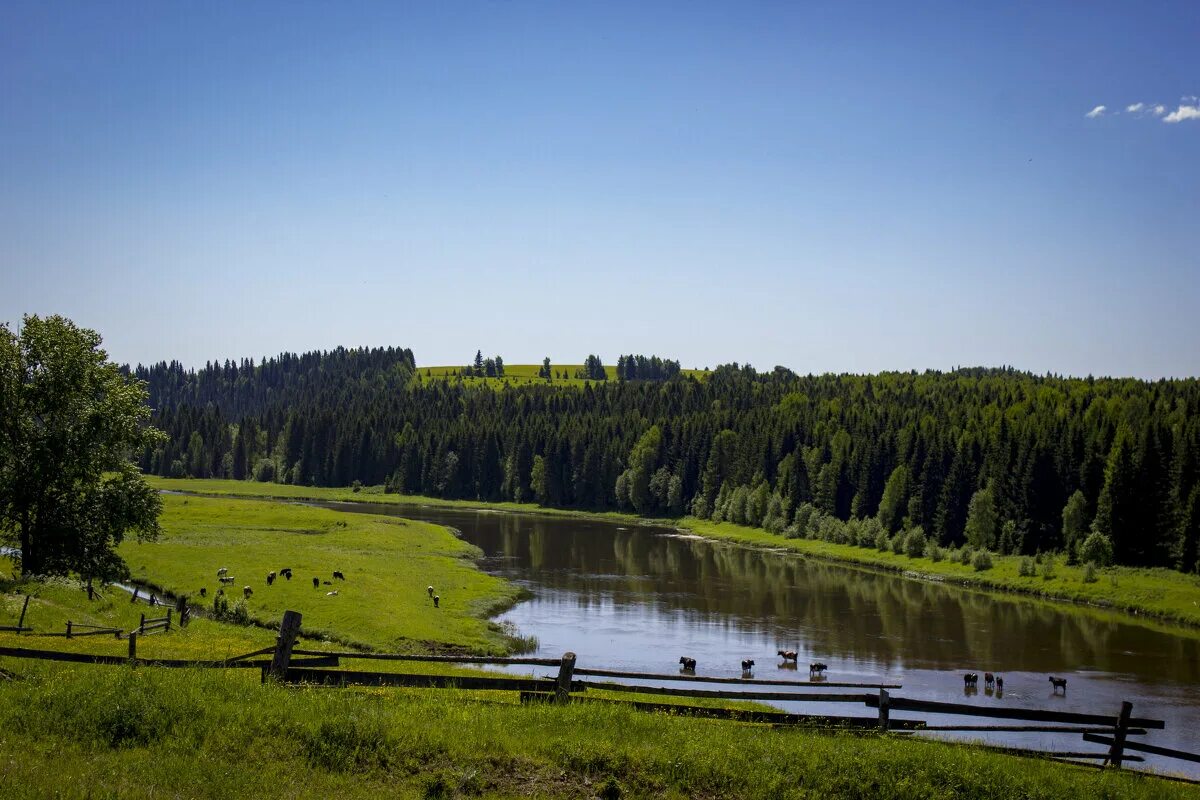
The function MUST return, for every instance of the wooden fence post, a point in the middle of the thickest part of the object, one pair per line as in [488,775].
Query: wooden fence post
[21,621]
[168,619]
[562,692]
[142,624]
[885,710]
[289,629]
[68,629]
[132,645]
[1116,751]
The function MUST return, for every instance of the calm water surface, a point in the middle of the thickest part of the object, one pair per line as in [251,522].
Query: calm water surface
[637,598]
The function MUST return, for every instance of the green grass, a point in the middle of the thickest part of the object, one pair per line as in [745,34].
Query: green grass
[1160,593]
[523,374]
[387,561]
[115,732]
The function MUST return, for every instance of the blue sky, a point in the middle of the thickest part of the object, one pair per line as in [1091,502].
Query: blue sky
[838,187]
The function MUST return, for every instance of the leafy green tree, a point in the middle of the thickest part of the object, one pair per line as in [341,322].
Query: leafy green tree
[1074,521]
[69,422]
[641,466]
[895,500]
[545,372]
[537,479]
[981,519]
[1096,549]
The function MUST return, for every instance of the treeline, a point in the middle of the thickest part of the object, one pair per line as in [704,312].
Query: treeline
[642,368]
[1003,460]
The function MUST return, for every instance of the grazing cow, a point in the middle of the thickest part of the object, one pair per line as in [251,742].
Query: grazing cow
[331,594]
[246,592]
[316,583]
[203,592]
[989,680]
[338,576]
[286,572]
[430,590]
[270,578]
[816,668]
[1059,683]
[222,572]
[436,601]
[220,592]
[999,684]
[327,583]
[970,680]
[788,655]
[689,664]
[153,600]
[747,664]
[227,579]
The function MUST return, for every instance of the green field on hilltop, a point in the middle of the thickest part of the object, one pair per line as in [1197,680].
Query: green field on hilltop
[519,374]
[77,732]
[388,562]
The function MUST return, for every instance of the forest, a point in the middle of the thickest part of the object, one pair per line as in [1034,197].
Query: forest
[998,459]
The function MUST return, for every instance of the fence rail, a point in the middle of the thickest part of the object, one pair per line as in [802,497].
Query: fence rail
[289,664]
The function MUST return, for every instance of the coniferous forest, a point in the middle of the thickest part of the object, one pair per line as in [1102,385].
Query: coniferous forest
[996,458]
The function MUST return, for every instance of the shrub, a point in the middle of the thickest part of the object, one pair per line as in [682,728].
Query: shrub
[356,485]
[1027,568]
[965,555]
[1089,572]
[933,552]
[982,561]
[1048,567]
[1097,549]
[898,544]
[264,470]
[882,543]
[914,543]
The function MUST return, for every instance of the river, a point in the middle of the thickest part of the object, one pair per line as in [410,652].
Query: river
[638,597]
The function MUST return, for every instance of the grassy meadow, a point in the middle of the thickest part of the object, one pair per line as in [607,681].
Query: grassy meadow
[388,562]
[520,374]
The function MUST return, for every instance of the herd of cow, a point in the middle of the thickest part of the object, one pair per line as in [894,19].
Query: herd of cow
[224,578]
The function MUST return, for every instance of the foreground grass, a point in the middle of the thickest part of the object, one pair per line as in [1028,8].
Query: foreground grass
[117,732]
[387,562]
[1161,593]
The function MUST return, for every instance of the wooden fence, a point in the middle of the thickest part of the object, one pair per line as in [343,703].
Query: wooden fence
[291,665]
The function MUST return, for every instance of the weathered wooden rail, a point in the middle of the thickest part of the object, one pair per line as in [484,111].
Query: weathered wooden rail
[289,664]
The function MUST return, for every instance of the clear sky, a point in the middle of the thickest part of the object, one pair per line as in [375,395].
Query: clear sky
[843,187]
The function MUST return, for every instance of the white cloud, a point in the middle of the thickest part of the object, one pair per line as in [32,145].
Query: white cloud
[1095,112]
[1182,113]
[1159,110]
[1133,108]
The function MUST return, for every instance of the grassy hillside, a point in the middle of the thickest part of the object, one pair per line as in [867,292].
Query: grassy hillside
[518,374]
[388,563]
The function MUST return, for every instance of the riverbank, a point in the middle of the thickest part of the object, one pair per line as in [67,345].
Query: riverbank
[1162,594]
[387,562]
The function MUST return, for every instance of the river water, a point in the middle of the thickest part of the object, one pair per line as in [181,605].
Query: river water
[638,597]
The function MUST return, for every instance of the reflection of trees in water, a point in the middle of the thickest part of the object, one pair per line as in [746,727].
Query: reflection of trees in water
[826,608]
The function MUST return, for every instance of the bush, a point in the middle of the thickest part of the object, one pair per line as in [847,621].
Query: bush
[882,543]
[1097,549]
[1048,567]
[965,555]
[898,544]
[933,552]
[1089,572]
[982,561]
[1027,568]
[264,470]
[914,543]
